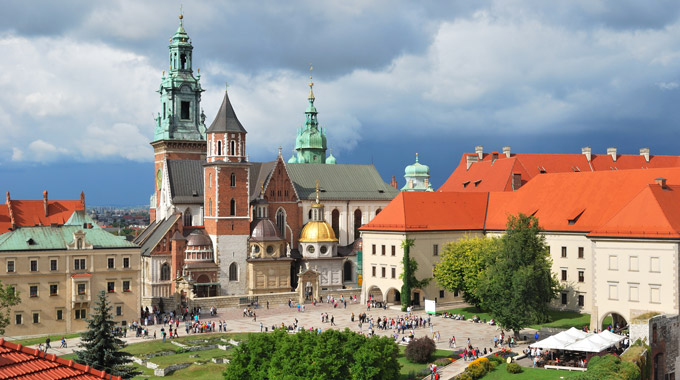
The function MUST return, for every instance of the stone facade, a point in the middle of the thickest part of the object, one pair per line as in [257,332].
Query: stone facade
[664,331]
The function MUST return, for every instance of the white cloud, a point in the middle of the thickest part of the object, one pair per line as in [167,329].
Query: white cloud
[668,85]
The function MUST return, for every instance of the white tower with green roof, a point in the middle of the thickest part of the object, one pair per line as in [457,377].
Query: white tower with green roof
[417,177]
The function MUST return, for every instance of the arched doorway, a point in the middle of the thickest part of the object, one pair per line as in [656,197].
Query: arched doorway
[393,296]
[357,223]
[613,321]
[659,366]
[374,294]
[204,288]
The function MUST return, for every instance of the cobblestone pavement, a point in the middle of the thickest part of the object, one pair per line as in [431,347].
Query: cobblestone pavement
[480,334]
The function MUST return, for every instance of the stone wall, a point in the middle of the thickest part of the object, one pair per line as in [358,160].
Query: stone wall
[664,332]
[639,330]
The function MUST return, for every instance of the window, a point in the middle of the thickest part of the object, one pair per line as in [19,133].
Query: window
[10,266]
[374,270]
[126,285]
[79,264]
[18,319]
[281,222]
[232,180]
[60,314]
[634,292]
[53,264]
[187,217]
[383,271]
[394,272]
[581,276]
[232,207]
[441,294]
[564,251]
[394,250]
[655,293]
[165,272]
[435,250]
[36,317]
[110,263]
[79,243]
[335,221]
[373,251]
[564,275]
[232,145]
[34,265]
[654,265]
[219,148]
[633,264]
[613,291]
[233,272]
[80,314]
[383,250]
[54,289]
[564,298]
[126,262]
[347,271]
[357,223]
[119,310]
[81,288]
[581,252]
[581,300]
[185,112]
[613,262]
[111,286]
[33,290]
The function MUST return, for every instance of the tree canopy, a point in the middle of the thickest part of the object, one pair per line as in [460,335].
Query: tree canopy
[8,297]
[463,264]
[518,283]
[330,355]
[408,275]
[102,349]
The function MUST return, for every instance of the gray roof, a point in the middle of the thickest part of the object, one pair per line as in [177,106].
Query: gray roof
[259,172]
[226,120]
[186,181]
[153,234]
[340,182]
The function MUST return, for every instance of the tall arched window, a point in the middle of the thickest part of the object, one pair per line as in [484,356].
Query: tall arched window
[309,214]
[232,207]
[377,211]
[233,272]
[281,222]
[165,272]
[187,217]
[335,222]
[233,180]
[219,148]
[347,271]
[183,61]
[233,147]
[210,180]
[357,223]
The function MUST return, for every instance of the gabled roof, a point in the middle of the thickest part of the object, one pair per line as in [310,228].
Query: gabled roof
[259,172]
[431,211]
[186,181]
[226,120]
[19,362]
[153,234]
[26,213]
[57,238]
[339,182]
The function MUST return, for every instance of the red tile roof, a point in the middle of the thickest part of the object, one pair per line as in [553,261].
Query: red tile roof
[29,213]
[491,174]
[19,362]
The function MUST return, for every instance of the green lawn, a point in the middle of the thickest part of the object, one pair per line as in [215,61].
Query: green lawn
[560,319]
[155,346]
[500,373]
[55,340]
[407,366]
[203,357]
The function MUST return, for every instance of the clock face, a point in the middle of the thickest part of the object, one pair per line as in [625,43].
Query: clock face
[159,177]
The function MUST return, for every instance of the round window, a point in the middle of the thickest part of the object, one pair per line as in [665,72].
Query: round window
[270,249]
[323,249]
[310,248]
[257,249]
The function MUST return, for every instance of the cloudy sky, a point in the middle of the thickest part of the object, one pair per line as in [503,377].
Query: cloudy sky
[78,82]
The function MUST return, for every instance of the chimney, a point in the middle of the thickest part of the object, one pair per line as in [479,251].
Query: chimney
[612,152]
[586,152]
[516,180]
[645,153]
[506,151]
[661,182]
[393,183]
[82,199]
[45,202]
[480,152]
[7,200]
[494,156]
[471,159]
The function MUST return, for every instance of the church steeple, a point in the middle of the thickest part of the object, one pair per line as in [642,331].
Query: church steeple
[310,143]
[181,117]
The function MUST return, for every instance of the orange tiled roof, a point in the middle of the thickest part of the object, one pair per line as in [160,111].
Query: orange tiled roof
[19,362]
[496,174]
[29,213]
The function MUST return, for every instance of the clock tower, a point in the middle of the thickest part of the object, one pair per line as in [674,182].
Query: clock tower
[180,125]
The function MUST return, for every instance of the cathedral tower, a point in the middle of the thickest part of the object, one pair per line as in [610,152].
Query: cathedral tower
[180,127]
[226,174]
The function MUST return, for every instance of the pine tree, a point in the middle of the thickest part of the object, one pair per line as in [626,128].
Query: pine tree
[102,349]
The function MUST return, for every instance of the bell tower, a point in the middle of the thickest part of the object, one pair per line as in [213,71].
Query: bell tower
[180,132]
[310,142]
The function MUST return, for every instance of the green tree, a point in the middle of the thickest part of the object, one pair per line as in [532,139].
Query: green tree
[408,274]
[8,297]
[518,284]
[463,264]
[102,349]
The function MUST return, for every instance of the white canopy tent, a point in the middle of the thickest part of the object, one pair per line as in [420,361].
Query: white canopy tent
[576,340]
[561,340]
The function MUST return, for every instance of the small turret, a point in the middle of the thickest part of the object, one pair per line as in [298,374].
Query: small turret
[417,177]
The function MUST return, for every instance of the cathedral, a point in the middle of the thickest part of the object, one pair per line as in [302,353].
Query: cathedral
[222,225]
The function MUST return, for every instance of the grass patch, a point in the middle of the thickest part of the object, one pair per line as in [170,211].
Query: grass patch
[186,357]
[500,373]
[55,340]
[408,367]
[156,346]
[633,353]
[559,319]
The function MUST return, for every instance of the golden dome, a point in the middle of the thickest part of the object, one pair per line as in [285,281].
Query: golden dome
[315,231]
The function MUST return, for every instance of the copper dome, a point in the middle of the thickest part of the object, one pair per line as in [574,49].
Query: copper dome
[198,238]
[265,230]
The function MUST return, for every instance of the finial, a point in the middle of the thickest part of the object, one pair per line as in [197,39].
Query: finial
[226,86]
[181,14]
[198,70]
[416,156]
[317,191]
[261,188]
[280,150]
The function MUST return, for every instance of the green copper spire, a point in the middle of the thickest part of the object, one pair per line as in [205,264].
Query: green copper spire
[310,143]
[417,177]
[181,117]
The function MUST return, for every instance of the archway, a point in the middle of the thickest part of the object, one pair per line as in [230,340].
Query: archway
[613,321]
[374,294]
[393,296]
[204,288]
[659,366]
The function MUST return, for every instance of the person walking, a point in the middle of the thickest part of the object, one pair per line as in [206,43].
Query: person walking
[333,320]
[47,343]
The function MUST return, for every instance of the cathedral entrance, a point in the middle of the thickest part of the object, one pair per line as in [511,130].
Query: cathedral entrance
[204,288]
[308,286]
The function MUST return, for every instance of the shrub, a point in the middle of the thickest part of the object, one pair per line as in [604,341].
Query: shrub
[442,362]
[478,368]
[465,376]
[420,350]
[496,359]
[514,368]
